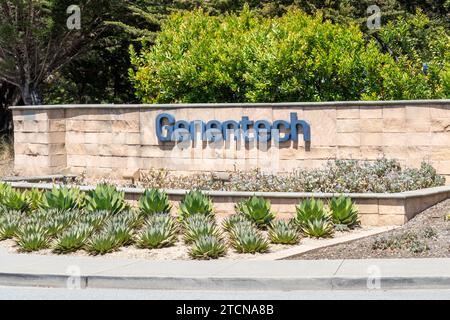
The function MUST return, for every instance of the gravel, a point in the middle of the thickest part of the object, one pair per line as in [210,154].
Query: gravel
[425,236]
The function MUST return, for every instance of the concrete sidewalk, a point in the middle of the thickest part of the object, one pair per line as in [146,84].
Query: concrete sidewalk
[98,272]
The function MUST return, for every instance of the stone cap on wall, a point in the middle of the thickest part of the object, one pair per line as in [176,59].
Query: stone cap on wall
[443,102]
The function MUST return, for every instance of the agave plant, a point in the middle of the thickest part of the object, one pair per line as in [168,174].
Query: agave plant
[447,217]
[229,222]
[57,221]
[32,238]
[106,197]
[154,201]
[197,226]
[318,228]
[257,210]
[15,200]
[344,211]
[63,198]
[207,247]
[247,239]
[160,231]
[9,224]
[309,210]
[73,239]
[195,202]
[96,219]
[283,232]
[129,217]
[35,198]
[121,231]
[102,243]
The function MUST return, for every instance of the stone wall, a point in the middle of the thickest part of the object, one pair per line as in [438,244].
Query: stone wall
[117,140]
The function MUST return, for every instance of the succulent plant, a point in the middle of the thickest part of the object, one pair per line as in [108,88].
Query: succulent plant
[129,217]
[207,247]
[247,239]
[32,238]
[197,226]
[106,197]
[160,231]
[257,210]
[35,198]
[318,228]
[195,202]
[309,210]
[102,243]
[73,239]
[63,198]
[154,201]
[283,232]
[15,200]
[96,219]
[344,211]
[229,222]
[121,231]
[447,217]
[9,224]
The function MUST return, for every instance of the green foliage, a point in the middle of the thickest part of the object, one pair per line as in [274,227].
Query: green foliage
[405,241]
[35,198]
[229,222]
[32,237]
[344,211]
[160,231]
[102,243]
[197,226]
[309,210]
[207,247]
[95,219]
[317,228]
[63,198]
[15,200]
[447,217]
[256,209]
[195,202]
[73,239]
[106,197]
[154,201]
[9,224]
[247,239]
[296,57]
[282,232]
[122,232]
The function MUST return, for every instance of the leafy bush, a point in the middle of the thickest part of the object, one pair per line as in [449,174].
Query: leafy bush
[197,226]
[309,210]
[32,237]
[196,202]
[73,239]
[160,231]
[154,201]
[257,210]
[282,232]
[344,211]
[246,239]
[207,247]
[296,57]
[318,228]
[63,198]
[106,197]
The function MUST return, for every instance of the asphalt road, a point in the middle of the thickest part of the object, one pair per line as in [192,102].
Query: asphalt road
[35,293]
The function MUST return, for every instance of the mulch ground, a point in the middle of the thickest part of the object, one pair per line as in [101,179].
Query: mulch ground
[425,236]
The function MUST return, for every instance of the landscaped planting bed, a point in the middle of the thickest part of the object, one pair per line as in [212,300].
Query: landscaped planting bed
[68,221]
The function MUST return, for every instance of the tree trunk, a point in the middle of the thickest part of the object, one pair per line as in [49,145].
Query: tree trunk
[31,95]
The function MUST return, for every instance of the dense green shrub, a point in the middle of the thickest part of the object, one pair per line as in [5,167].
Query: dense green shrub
[14,199]
[296,57]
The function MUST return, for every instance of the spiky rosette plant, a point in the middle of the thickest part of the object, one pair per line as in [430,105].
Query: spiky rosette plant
[73,238]
[309,210]
[32,237]
[229,222]
[106,197]
[121,231]
[159,231]
[208,247]
[318,228]
[129,217]
[246,239]
[102,243]
[344,212]
[154,201]
[197,226]
[256,209]
[195,202]
[15,200]
[35,198]
[9,224]
[282,232]
[96,218]
[63,198]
